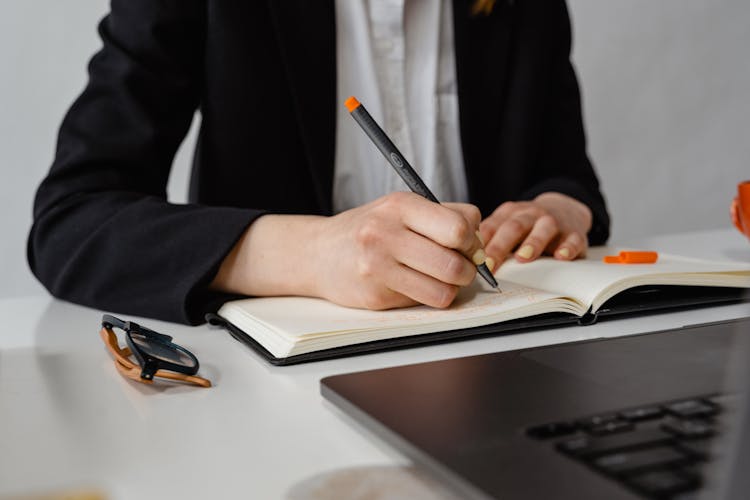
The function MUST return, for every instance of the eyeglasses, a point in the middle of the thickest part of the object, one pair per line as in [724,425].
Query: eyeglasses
[156,354]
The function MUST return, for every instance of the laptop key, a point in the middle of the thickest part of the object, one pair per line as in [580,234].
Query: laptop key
[612,427]
[664,483]
[553,429]
[692,408]
[698,449]
[689,429]
[597,420]
[592,446]
[640,414]
[630,462]
[727,401]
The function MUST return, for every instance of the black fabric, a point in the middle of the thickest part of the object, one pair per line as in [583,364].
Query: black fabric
[263,77]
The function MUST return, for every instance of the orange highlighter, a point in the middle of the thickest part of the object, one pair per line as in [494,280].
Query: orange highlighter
[632,257]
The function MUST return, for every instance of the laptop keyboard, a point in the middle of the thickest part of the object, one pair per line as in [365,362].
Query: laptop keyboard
[656,451]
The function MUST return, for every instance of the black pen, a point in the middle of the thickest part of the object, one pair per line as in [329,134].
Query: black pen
[402,167]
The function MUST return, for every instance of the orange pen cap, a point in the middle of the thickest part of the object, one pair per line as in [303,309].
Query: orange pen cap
[351,104]
[632,257]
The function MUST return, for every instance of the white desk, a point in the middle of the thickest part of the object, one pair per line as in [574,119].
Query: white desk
[68,420]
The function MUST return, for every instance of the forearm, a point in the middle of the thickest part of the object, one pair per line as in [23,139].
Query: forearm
[273,257]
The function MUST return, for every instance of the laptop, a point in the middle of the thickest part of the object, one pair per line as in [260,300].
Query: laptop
[658,415]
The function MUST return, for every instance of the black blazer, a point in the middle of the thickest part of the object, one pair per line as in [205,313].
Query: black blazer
[262,74]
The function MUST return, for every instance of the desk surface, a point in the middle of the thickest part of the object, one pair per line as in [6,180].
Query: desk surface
[69,421]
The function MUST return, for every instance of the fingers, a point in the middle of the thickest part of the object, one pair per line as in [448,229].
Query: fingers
[420,288]
[409,250]
[571,246]
[380,241]
[552,224]
[380,299]
[508,227]
[453,225]
[398,285]
[412,270]
[541,234]
[386,283]
[429,258]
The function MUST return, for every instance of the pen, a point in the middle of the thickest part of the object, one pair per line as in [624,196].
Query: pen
[402,167]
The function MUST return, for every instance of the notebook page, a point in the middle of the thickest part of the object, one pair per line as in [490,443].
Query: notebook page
[592,282]
[279,323]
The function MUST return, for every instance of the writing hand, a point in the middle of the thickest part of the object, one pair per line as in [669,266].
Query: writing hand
[397,251]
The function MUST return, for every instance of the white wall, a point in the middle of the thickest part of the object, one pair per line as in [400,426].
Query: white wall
[45,46]
[665,96]
[667,101]
[43,49]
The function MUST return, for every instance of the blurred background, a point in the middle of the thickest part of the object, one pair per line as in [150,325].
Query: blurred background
[665,92]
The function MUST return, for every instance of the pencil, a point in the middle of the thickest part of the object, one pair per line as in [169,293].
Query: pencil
[402,167]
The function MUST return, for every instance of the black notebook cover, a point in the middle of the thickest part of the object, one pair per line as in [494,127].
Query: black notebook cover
[636,301]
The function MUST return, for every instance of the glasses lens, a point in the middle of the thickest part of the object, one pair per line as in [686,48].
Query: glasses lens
[160,351]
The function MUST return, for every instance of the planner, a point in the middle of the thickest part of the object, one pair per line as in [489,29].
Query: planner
[543,293]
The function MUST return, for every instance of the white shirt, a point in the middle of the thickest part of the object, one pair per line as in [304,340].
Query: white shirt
[397,58]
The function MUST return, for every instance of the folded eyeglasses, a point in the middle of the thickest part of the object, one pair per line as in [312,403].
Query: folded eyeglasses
[155,353]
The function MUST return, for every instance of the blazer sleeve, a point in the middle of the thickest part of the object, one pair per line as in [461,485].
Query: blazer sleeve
[564,162]
[104,234]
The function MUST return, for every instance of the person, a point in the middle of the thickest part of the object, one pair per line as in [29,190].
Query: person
[285,197]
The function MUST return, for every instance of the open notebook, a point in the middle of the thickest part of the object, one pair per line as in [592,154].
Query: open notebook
[545,292]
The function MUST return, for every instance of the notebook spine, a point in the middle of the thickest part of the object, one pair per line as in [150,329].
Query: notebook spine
[589,318]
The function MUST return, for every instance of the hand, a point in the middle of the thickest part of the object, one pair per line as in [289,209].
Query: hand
[397,251]
[553,224]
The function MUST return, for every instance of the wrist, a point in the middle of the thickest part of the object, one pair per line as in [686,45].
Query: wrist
[271,257]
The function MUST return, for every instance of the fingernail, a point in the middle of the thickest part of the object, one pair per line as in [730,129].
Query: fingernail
[479,235]
[479,257]
[564,253]
[490,263]
[526,252]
